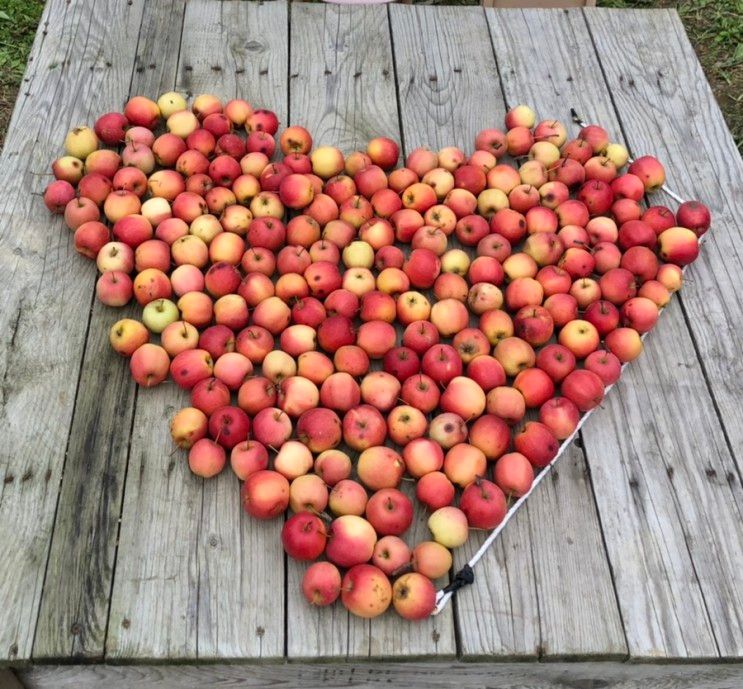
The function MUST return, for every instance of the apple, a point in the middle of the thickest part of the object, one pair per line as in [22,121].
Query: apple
[247,458]
[229,426]
[127,335]
[449,527]
[650,171]
[333,466]
[513,474]
[80,142]
[537,442]
[584,388]
[520,116]
[81,210]
[321,584]
[422,456]
[641,262]
[351,359]
[533,324]
[68,169]
[340,392]
[639,313]
[111,127]
[401,362]
[206,458]
[391,553]
[694,216]
[390,512]
[303,536]
[506,403]
[351,541]
[514,354]
[420,391]
[380,467]
[293,459]
[376,338]
[380,389]
[406,423]
[364,427]
[486,371]
[366,591]
[678,245]
[178,337]
[320,429]
[556,360]
[187,427]
[624,343]
[563,308]
[414,596]
[114,288]
[535,386]
[471,343]
[580,336]
[519,140]
[272,427]
[618,285]
[210,394]
[431,559]
[435,490]
[449,316]
[484,504]
[464,463]
[560,415]
[149,365]
[265,494]
[347,497]
[464,397]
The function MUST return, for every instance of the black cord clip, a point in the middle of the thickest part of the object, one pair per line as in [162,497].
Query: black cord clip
[464,577]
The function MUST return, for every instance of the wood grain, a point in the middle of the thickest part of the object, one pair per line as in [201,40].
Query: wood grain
[569,556]
[242,53]
[347,50]
[442,103]
[80,65]
[664,102]
[607,675]
[195,577]
[75,602]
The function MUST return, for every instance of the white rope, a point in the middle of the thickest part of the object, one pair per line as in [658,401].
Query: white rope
[443,596]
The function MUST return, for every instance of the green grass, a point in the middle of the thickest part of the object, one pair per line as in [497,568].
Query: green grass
[18,22]
[715,28]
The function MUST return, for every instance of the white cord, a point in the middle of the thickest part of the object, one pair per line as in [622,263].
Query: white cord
[443,596]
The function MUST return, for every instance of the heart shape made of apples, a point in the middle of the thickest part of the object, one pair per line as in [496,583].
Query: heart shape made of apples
[342,322]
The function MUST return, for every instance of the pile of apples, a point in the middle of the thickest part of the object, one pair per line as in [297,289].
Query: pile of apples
[342,323]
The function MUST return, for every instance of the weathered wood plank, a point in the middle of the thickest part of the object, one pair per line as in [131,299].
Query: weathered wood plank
[677,107]
[662,108]
[237,50]
[442,103]
[570,563]
[80,64]
[352,60]
[194,577]
[501,614]
[413,675]
[77,590]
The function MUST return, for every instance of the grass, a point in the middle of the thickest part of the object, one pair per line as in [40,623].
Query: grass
[18,22]
[715,28]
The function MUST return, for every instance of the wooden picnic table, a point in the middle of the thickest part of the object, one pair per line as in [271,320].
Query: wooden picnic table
[119,568]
